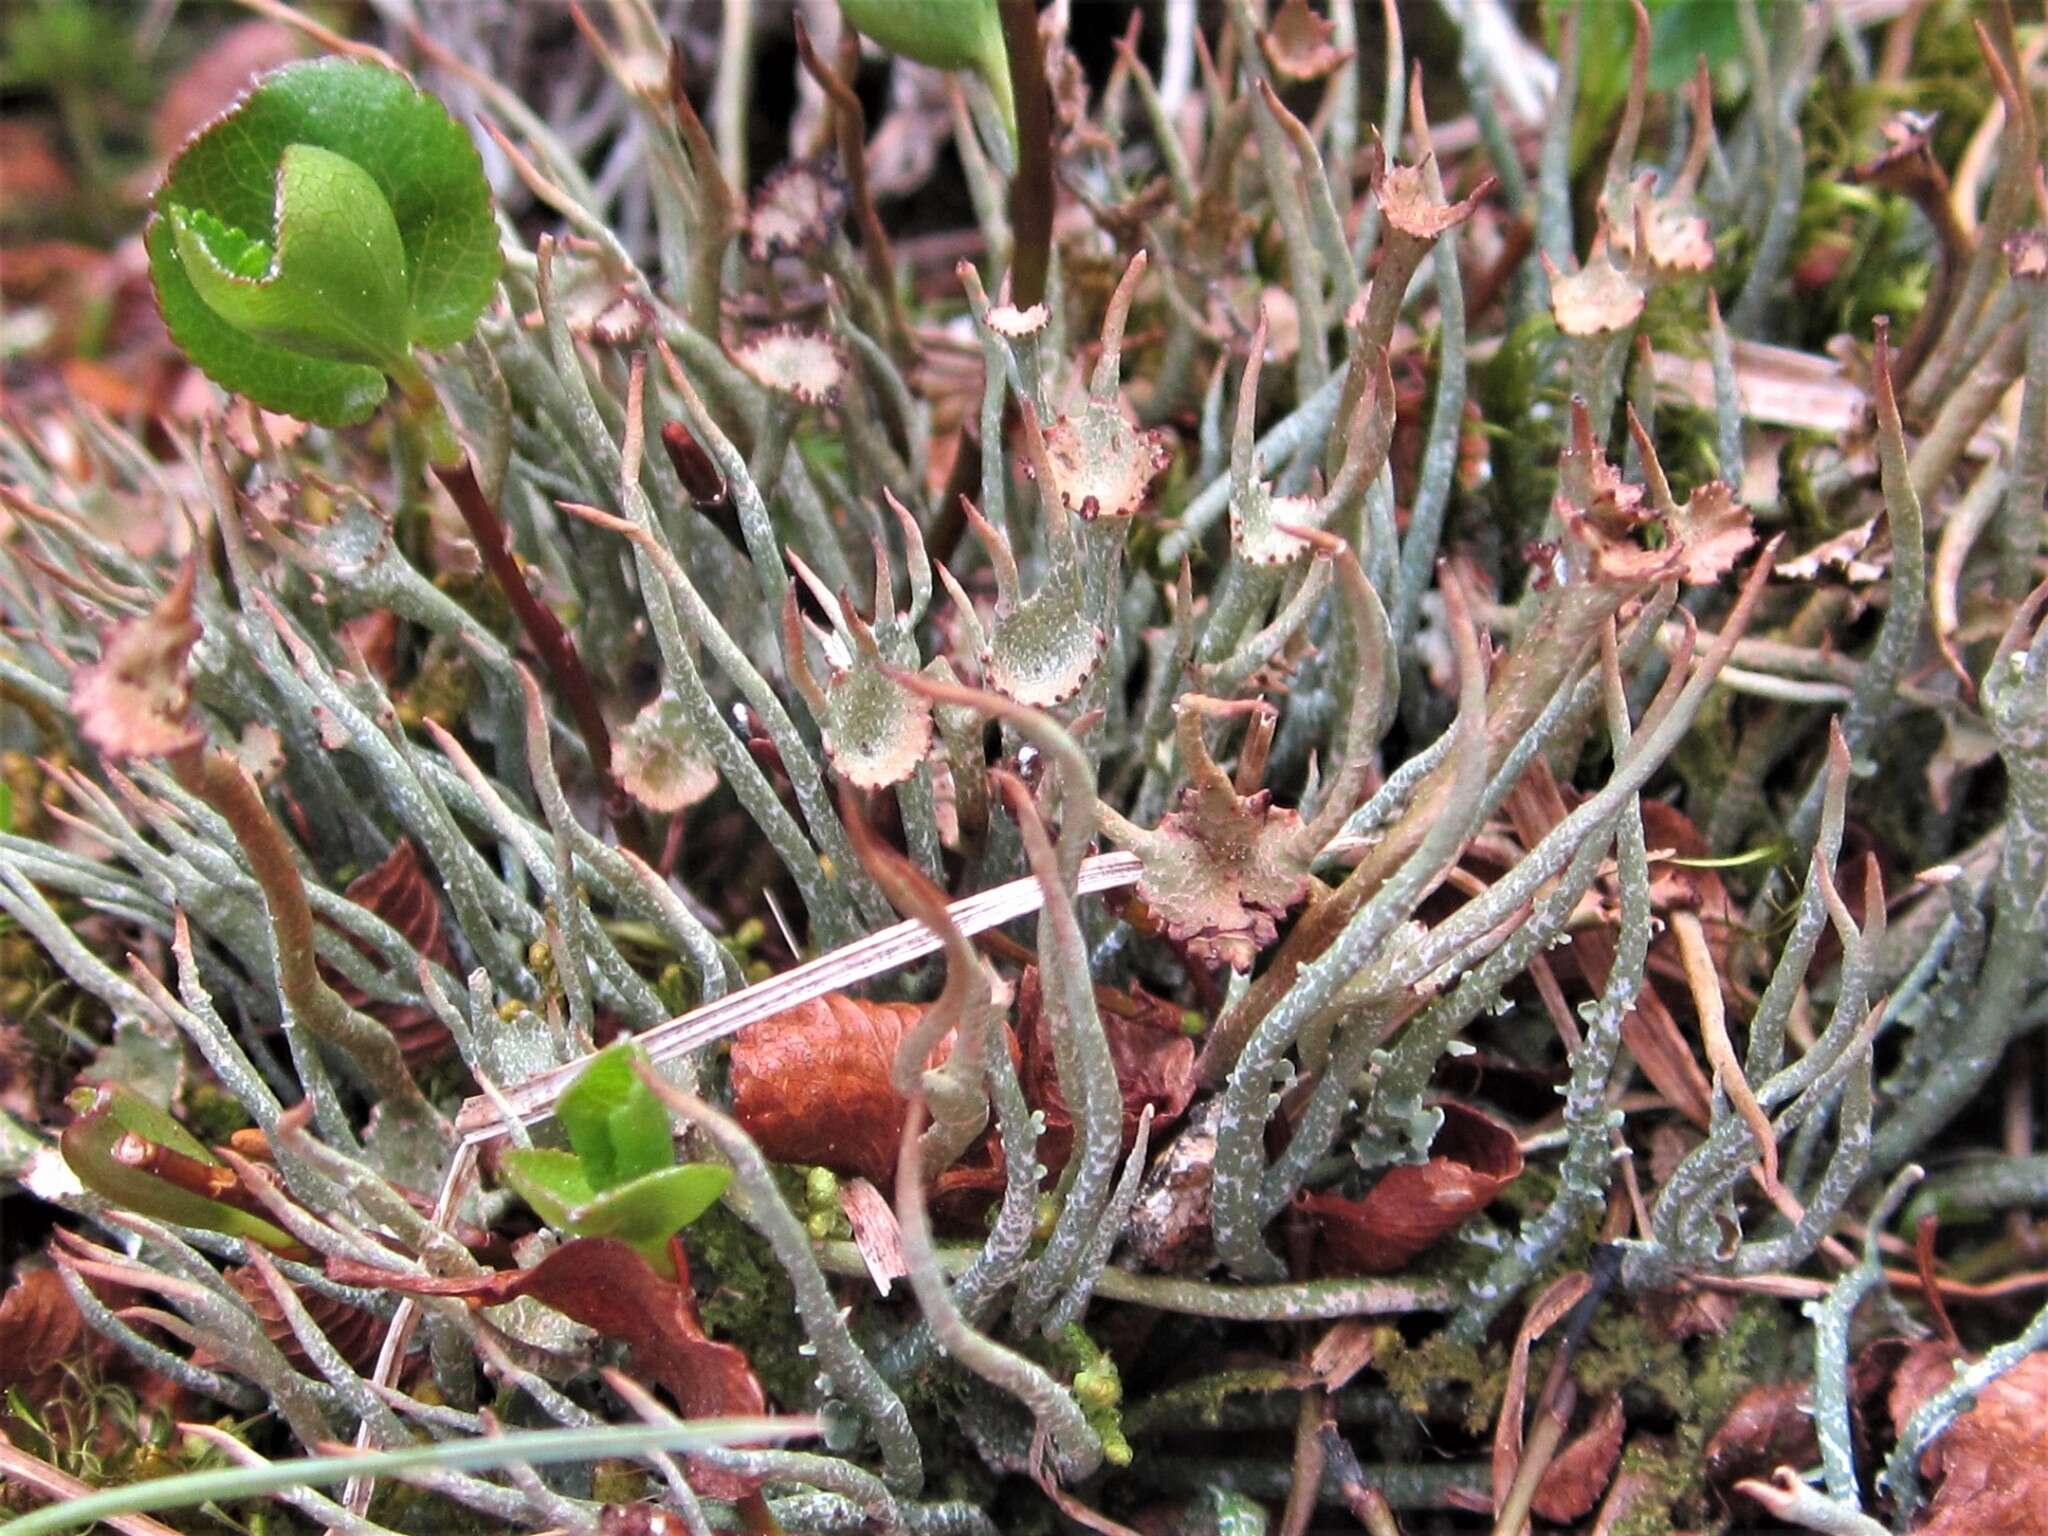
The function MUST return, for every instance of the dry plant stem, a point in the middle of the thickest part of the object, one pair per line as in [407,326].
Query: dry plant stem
[221,782]
[849,136]
[32,1473]
[1052,1407]
[557,651]
[1704,980]
[1032,190]
[2018,155]
[851,1373]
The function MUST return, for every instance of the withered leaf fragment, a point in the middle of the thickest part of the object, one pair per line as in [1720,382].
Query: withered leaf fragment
[136,700]
[603,1284]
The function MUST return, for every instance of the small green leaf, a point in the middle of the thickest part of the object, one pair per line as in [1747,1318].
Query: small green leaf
[645,1212]
[115,1112]
[551,1181]
[334,287]
[649,1209]
[615,1123]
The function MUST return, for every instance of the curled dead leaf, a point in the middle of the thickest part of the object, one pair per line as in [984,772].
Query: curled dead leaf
[399,891]
[40,1329]
[1580,1472]
[812,1084]
[1411,1208]
[1155,1066]
[1769,1426]
[1990,1466]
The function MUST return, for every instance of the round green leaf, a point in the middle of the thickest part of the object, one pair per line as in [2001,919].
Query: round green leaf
[334,286]
[421,162]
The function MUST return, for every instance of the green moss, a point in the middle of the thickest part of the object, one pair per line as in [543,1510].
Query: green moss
[1426,1378]
[749,1302]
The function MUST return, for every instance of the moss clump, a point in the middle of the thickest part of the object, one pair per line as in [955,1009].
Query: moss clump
[745,1298]
[1440,1377]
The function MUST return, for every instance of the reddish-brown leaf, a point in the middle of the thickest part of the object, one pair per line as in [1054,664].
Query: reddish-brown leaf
[811,1085]
[1155,1065]
[1410,1208]
[1770,1426]
[39,1330]
[357,1334]
[605,1285]
[1990,1466]
[1576,1477]
[399,891]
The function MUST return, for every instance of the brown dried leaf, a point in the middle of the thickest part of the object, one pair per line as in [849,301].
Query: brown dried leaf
[1557,1299]
[1573,1482]
[136,700]
[812,1085]
[1991,1464]
[40,1329]
[357,1334]
[1473,1158]
[400,891]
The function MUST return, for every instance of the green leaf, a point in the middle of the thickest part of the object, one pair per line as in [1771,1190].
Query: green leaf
[334,286]
[946,34]
[615,1123]
[116,1112]
[399,142]
[645,1211]
[551,1181]
[648,1209]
